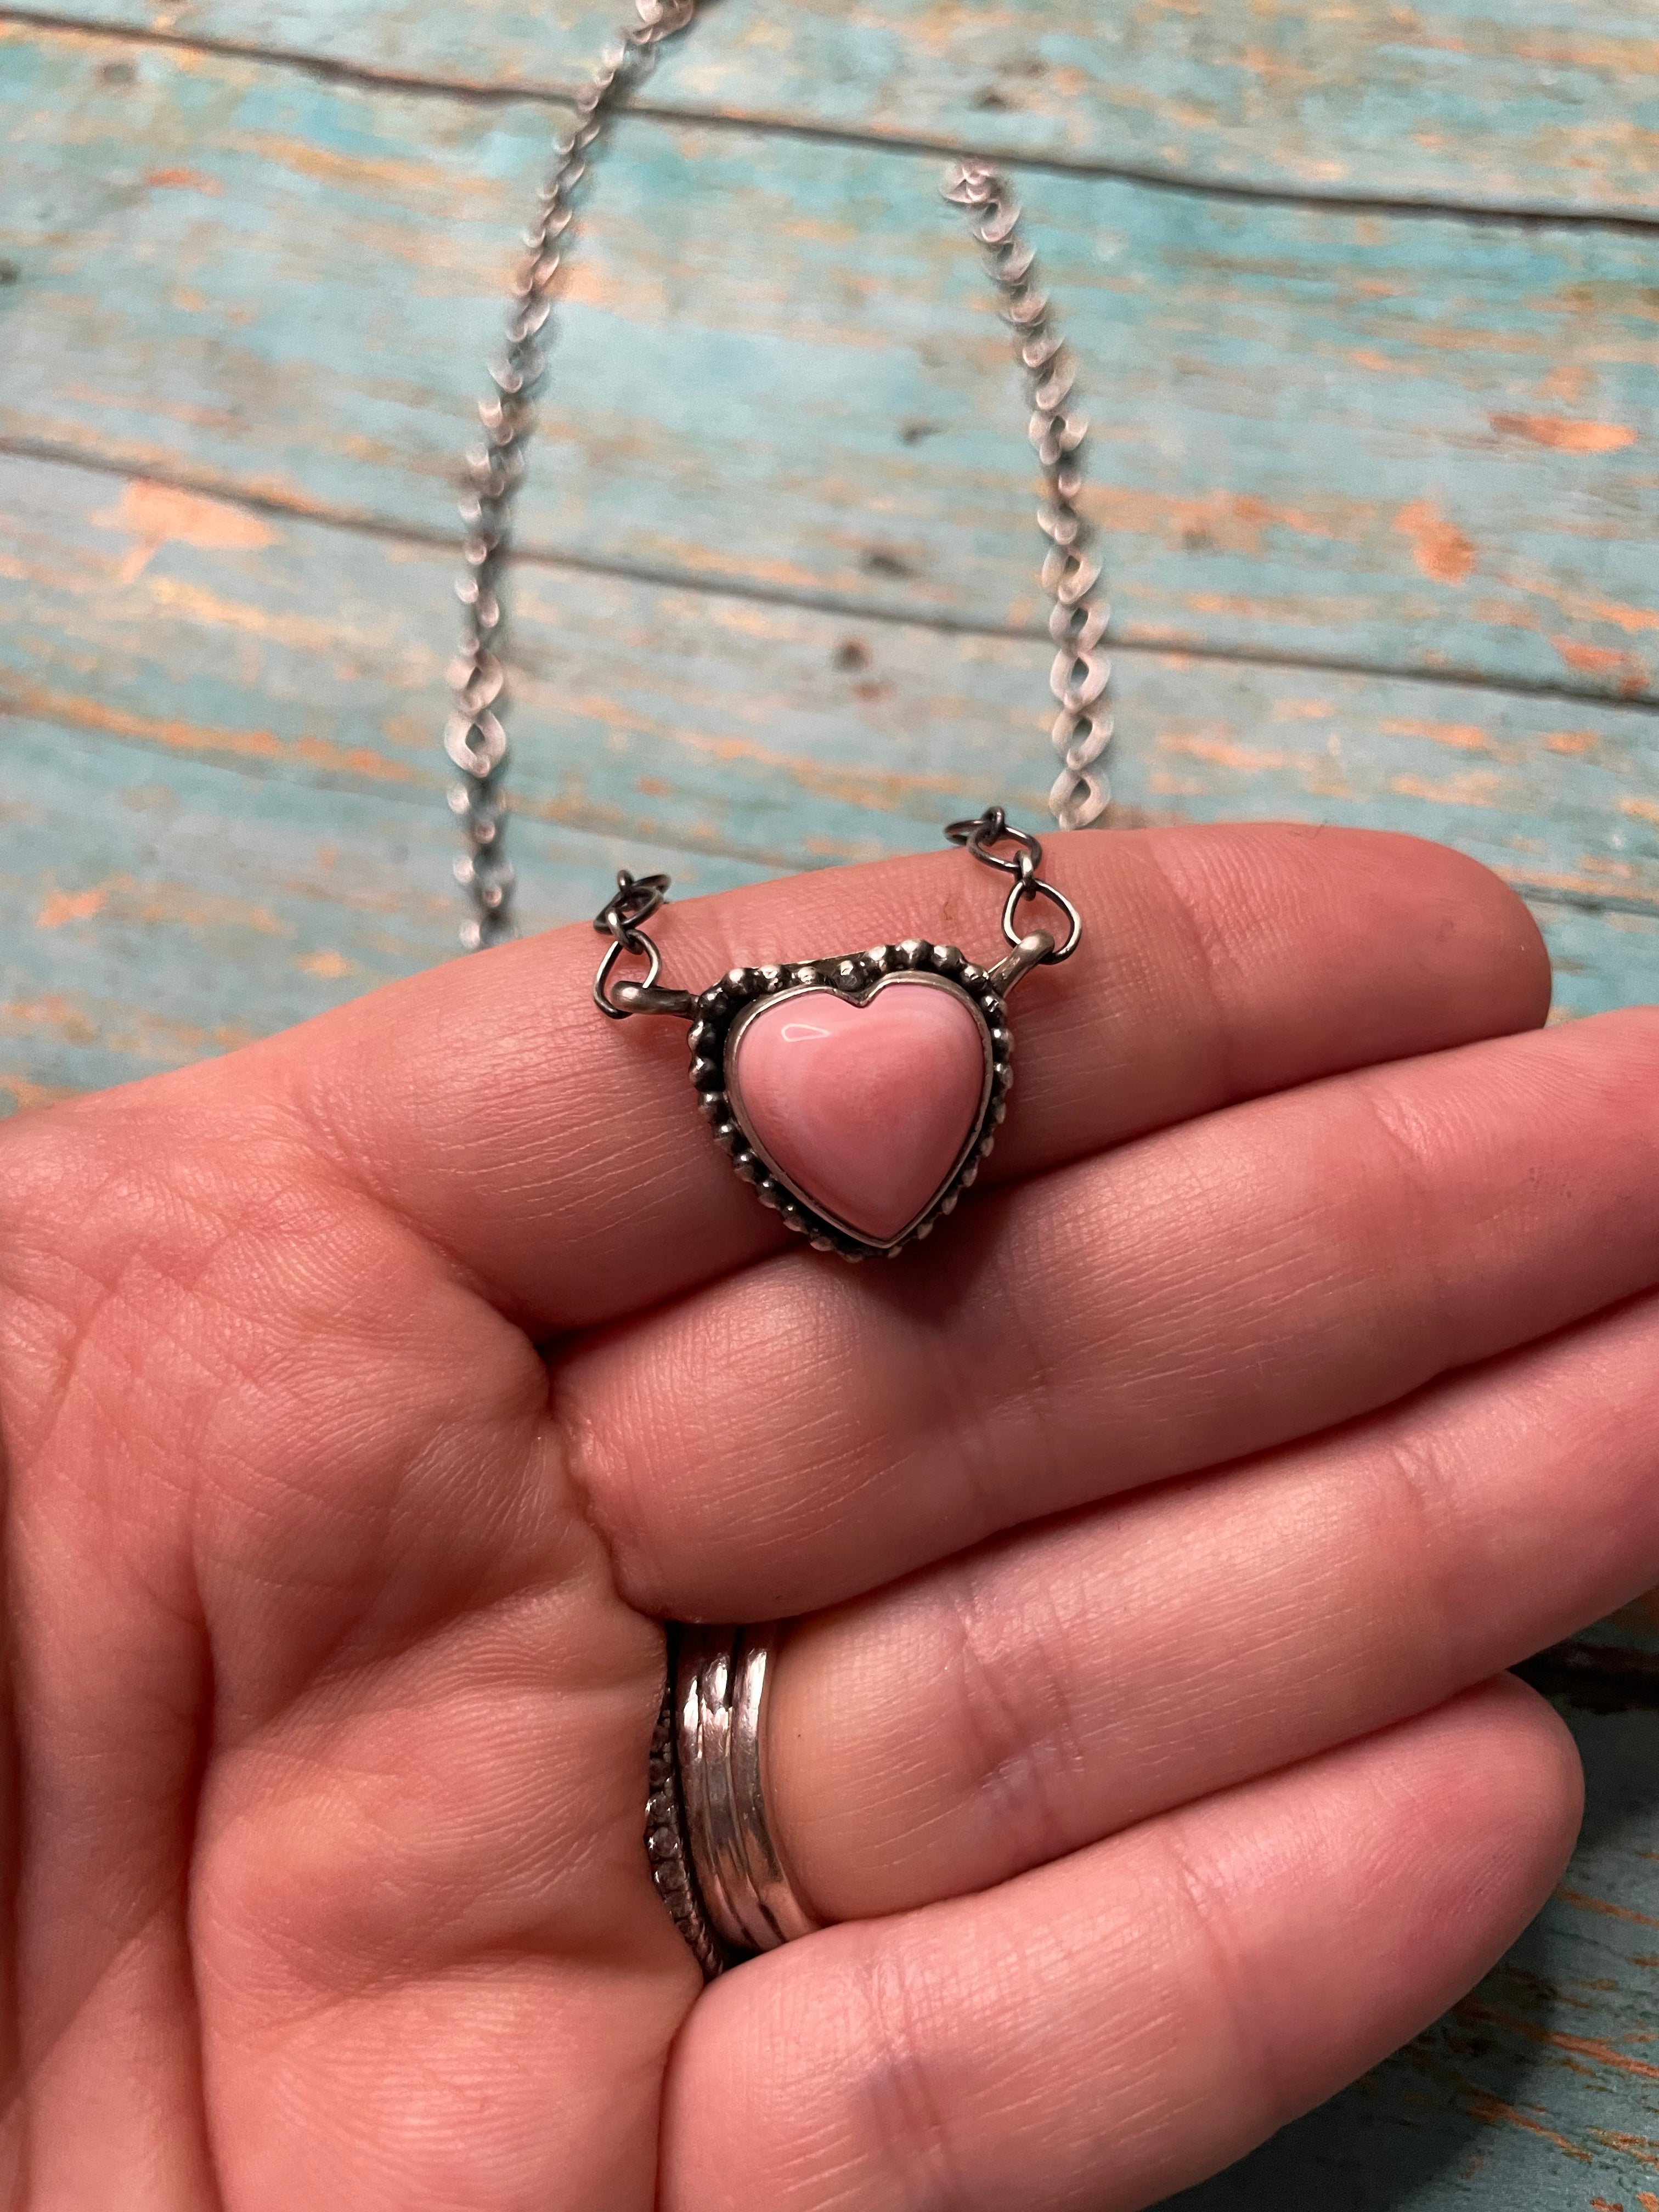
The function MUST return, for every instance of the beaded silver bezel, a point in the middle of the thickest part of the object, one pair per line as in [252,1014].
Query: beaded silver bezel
[725,1007]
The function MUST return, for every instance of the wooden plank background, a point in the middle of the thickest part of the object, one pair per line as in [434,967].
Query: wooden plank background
[1367,297]
[1396,438]
[1512,104]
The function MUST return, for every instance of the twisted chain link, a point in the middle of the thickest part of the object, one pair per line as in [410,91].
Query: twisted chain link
[475,735]
[1082,728]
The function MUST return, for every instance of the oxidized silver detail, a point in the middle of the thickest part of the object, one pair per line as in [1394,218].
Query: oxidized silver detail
[723,1009]
[666,1848]
[1037,889]
[635,899]
[718,1014]
[844,987]
[981,837]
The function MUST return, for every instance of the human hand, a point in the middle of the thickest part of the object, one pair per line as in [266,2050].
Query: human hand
[370,1395]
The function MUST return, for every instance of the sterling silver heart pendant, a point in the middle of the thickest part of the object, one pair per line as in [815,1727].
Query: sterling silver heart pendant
[858,1095]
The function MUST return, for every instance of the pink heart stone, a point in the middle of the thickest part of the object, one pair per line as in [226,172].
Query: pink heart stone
[866,1109]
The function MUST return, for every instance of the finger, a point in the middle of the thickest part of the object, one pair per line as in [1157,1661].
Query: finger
[1212,1291]
[560,1155]
[1116,2026]
[1056,1687]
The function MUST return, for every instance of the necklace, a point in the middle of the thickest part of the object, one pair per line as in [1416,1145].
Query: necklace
[858,1094]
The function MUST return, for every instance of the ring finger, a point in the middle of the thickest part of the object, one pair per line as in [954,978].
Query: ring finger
[1057,1687]
[1113,2026]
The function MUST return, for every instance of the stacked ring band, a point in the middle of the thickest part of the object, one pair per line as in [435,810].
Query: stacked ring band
[665,1840]
[716,1865]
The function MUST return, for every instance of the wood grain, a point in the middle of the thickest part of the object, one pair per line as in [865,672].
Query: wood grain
[697,721]
[158,909]
[1543,104]
[1378,489]
[1413,442]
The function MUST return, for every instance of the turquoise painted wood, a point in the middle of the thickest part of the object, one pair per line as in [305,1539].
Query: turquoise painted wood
[160,908]
[159,904]
[1415,442]
[240,303]
[243,805]
[791,736]
[1510,103]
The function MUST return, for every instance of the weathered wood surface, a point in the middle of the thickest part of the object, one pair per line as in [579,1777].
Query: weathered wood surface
[165,656]
[160,908]
[271,840]
[1411,442]
[158,902]
[1545,104]
[699,719]
[783,450]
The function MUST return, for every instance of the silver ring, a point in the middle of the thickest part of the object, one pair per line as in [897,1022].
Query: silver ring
[716,1863]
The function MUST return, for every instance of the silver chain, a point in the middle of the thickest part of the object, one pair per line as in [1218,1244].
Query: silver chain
[475,736]
[1082,728]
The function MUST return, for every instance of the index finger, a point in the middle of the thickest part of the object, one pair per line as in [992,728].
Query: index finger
[560,1156]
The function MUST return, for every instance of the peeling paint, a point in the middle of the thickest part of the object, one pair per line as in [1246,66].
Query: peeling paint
[1485,2106]
[1604,660]
[1607,1910]
[155,515]
[28,1096]
[187,181]
[1564,435]
[1438,547]
[83,711]
[1554,2038]
[1460,736]
[59,907]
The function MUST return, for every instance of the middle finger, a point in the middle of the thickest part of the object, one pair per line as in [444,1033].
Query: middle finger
[803,1433]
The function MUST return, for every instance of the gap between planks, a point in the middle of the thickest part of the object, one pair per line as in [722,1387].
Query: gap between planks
[425,802]
[600,821]
[350,522]
[328,71]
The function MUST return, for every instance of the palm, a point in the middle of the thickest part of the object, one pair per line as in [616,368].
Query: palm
[371,1397]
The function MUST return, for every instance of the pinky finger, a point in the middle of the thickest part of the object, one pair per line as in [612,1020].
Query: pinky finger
[1116,2026]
